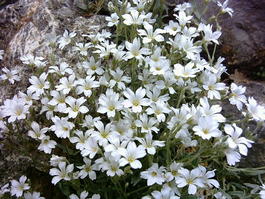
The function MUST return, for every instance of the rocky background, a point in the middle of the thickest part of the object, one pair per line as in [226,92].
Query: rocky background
[26,24]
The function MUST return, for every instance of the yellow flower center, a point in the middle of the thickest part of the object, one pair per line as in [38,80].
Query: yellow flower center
[136,102]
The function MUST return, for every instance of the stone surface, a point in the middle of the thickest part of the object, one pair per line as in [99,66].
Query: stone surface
[25,26]
[243,34]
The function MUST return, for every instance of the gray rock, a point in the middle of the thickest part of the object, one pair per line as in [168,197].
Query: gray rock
[243,34]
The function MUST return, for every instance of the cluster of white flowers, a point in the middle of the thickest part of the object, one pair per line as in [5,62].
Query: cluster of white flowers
[10,75]
[30,60]
[18,188]
[178,177]
[147,102]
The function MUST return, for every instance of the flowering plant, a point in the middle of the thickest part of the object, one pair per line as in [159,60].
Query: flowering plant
[135,113]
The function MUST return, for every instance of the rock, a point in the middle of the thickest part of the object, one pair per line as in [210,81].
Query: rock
[243,41]
[25,26]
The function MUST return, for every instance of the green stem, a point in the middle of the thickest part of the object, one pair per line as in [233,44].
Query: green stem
[213,55]
[181,96]
[137,190]
[208,54]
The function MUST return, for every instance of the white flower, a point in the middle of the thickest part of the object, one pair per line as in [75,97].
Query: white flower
[111,165]
[135,50]
[103,133]
[61,127]
[235,141]
[66,84]
[93,67]
[58,100]
[182,18]
[155,96]
[190,32]
[210,84]
[87,169]
[119,53]
[185,71]
[28,97]
[154,175]
[182,7]
[213,111]
[82,48]
[133,18]
[149,144]
[207,128]
[160,67]
[31,60]
[209,35]
[147,124]
[34,195]
[83,195]
[65,39]
[131,154]
[55,160]
[224,7]
[149,35]
[114,146]
[89,121]
[80,138]
[63,173]
[47,145]
[39,84]
[109,103]
[37,132]
[86,85]
[163,194]
[172,28]
[207,176]
[256,111]
[185,137]
[119,79]
[113,20]
[181,117]
[135,100]
[49,109]
[105,49]
[190,179]
[237,96]
[15,109]
[185,44]
[76,106]
[174,171]
[18,187]
[91,148]
[220,195]
[232,156]
[62,69]
[10,75]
